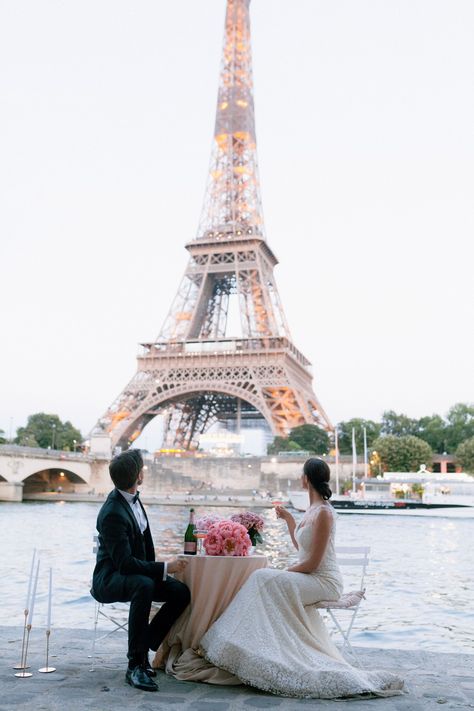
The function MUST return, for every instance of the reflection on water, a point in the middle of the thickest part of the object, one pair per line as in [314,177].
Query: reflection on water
[419,583]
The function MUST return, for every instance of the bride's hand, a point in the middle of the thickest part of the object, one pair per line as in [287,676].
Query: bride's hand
[281,512]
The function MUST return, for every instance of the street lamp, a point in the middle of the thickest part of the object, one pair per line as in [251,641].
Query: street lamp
[54,432]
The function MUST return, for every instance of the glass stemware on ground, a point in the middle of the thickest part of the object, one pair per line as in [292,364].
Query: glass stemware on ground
[200,534]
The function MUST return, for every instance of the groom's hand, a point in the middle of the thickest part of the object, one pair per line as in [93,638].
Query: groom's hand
[177,565]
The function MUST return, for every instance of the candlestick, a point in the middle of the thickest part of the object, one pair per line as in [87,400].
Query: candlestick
[21,665]
[48,619]
[24,674]
[47,669]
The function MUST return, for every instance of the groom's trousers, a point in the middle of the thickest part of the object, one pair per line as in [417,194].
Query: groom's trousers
[141,591]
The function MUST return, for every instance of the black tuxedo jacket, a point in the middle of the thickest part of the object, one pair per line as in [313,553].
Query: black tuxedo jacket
[122,550]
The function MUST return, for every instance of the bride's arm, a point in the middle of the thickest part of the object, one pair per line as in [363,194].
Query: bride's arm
[321,532]
[281,512]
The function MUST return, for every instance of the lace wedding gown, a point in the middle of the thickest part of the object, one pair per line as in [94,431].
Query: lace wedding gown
[271,636]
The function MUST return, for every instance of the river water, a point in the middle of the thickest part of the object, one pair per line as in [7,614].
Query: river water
[420,582]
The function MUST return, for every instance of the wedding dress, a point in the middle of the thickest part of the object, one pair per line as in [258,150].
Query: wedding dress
[273,638]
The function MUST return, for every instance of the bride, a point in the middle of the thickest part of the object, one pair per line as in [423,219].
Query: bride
[272,637]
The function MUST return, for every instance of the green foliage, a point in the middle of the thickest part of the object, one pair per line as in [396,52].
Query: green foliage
[441,434]
[305,437]
[460,425]
[310,438]
[46,431]
[465,455]
[3,439]
[403,454]
[433,429]
[398,425]
[282,444]
[417,490]
[344,430]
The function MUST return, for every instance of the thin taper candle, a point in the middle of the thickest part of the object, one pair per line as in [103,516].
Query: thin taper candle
[33,595]
[354,461]
[48,622]
[27,603]
[366,464]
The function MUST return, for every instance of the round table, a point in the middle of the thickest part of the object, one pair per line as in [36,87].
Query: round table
[213,581]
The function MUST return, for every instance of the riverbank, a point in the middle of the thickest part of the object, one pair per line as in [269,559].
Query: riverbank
[431,679]
[163,500]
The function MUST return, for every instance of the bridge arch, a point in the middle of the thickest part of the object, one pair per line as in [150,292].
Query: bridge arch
[54,479]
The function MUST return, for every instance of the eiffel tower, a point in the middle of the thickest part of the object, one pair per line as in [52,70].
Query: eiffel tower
[224,353]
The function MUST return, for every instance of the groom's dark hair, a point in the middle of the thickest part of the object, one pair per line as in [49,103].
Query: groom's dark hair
[125,468]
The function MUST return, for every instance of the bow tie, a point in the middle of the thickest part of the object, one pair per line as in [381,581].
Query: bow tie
[136,497]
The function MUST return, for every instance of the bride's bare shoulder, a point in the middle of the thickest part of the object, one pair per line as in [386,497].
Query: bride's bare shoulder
[321,512]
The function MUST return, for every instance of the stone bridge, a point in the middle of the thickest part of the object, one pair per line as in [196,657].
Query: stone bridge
[33,470]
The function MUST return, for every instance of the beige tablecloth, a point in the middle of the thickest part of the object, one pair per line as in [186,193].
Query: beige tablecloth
[213,582]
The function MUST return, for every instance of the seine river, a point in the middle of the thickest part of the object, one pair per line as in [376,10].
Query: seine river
[420,583]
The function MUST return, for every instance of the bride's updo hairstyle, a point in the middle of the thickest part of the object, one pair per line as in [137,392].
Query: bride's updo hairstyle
[318,473]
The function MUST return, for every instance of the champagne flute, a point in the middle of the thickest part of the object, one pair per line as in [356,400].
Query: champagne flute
[200,534]
[276,502]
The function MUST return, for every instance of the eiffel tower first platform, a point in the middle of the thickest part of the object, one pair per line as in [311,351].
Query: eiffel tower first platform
[224,353]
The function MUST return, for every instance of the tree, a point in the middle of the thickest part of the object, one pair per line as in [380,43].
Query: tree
[25,438]
[311,438]
[344,430]
[282,444]
[465,455]
[433,429]
[398,425]
[460,425]
[3,439]
[402,454]
[46,431]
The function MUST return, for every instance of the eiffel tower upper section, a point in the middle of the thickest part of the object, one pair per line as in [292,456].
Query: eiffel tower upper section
[224,352]
[232,206]
[231,225]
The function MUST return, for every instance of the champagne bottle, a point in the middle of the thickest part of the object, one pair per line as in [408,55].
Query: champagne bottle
[190,542]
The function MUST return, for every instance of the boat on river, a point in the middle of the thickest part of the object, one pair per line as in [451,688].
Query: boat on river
[416,493]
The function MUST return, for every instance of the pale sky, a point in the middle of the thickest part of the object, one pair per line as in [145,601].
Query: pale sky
[365,129]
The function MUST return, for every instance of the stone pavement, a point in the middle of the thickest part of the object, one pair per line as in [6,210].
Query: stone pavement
[433,681]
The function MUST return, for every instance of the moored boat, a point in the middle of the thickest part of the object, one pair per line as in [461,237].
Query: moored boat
[421,492]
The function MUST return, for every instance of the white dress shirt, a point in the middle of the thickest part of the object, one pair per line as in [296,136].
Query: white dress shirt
[140,517]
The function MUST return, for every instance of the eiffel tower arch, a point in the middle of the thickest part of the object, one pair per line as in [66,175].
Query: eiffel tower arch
[224,352]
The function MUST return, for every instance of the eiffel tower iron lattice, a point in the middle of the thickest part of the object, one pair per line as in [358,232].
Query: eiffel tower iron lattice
[195,372]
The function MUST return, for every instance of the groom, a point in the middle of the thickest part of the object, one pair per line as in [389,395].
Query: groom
[126,570]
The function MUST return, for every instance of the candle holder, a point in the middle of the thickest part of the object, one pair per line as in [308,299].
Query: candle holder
[47,669]
[21,665]
[24,674]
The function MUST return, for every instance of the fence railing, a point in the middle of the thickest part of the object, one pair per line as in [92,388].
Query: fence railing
[18,450]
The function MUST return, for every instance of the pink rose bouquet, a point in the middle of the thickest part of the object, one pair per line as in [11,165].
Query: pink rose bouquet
[253,523]
[227,538]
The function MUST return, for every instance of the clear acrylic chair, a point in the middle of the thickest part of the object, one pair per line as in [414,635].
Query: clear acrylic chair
[115,614]
[356,558]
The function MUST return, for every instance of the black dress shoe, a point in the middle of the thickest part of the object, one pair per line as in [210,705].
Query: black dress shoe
[139,678]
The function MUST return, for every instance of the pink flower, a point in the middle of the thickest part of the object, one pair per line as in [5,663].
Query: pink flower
[249,520]
[227,538]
